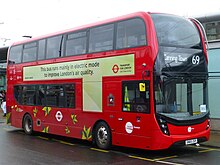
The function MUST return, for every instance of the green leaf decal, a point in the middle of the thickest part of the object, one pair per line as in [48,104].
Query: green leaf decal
[86,133]
[35,110]
[47,110]
[67,130]
[74,118]
[46,130]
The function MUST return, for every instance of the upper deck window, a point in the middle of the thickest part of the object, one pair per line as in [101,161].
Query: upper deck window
[101,38]
[30,52]
[15,54]
[117,35]
[76,43]
[176,31]
[131,33]
[54,47]
[41,49]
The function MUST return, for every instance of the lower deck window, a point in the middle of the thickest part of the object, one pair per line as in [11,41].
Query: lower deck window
[62,95]
[136,96]
[55,95]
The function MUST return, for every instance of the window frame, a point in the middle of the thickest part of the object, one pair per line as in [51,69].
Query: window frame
[54,93]
[72,39]
[135,83]
[62,43]
[18,95]
[20,54]
[28,46]
[39,49]
[99,26]
[59,48]
[116,33]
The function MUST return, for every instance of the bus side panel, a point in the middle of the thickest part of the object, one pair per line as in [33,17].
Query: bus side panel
[141,124]
[17,114]
[160,141]
[16,120]
[133,130]
[131,141]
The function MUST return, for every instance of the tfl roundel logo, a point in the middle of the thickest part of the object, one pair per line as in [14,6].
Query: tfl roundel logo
[115,68]
[59,116]
[129,127]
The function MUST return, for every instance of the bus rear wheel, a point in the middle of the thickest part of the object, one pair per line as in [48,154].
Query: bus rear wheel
[103,135]
[28,124]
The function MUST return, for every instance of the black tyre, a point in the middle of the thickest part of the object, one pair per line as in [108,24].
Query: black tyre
[103,137]
[28,124]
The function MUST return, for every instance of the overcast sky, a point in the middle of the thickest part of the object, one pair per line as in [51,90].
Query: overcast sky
[39,17]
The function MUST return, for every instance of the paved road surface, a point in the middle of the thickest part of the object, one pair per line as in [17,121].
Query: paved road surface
[41,149]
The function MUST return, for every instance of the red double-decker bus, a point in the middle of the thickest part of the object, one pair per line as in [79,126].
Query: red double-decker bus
[138,81]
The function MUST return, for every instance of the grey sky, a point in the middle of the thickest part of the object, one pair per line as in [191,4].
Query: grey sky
[39,17]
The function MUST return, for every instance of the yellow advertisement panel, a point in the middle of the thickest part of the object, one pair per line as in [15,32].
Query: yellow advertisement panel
[91,71]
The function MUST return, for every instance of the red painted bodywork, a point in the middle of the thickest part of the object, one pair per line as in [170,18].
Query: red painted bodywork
[146,133]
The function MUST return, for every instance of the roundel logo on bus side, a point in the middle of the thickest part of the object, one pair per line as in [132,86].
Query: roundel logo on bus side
[115,68]
[129,127]
[59,116]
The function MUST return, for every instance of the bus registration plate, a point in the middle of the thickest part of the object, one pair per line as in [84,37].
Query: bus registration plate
[191,141]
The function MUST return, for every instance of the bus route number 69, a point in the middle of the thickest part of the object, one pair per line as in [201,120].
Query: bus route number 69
[195,60]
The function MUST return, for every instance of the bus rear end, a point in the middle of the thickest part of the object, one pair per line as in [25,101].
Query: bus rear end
[180,83]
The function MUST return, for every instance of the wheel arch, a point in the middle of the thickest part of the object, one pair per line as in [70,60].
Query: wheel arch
[95,125]
[94,130]
[28,129]
[24,117]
